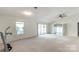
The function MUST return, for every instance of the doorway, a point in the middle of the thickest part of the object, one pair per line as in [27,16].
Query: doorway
[42,29]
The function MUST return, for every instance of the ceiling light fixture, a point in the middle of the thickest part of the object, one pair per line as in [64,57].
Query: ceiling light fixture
[27,13]
[35,7]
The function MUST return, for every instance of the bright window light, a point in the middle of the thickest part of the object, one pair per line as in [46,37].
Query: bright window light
[58,29]
[42,29]
[19,28]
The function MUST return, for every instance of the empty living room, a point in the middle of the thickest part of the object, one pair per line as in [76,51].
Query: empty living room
[39,29]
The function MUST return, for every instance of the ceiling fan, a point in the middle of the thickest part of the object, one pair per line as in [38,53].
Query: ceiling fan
[62,15]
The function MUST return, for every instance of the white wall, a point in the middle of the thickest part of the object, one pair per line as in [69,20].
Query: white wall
[71,23]
[48,28]
[30,28]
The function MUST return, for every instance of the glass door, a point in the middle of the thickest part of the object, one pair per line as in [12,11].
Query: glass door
[42,29]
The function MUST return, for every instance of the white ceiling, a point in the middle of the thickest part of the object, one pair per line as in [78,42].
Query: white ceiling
[42,14]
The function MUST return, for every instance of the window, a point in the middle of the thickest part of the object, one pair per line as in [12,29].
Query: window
[42,29]
[58,29]
[19,28]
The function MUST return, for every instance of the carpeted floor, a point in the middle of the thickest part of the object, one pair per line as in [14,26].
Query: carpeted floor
[47,43]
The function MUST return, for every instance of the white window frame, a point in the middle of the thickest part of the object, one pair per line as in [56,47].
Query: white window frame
[41,30]
[22,29]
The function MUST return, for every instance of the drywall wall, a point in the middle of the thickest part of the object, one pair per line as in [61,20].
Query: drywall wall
[71,24]
[48,28]
[30,27]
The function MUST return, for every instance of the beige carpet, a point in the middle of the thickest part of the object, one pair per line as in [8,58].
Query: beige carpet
[47,43]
